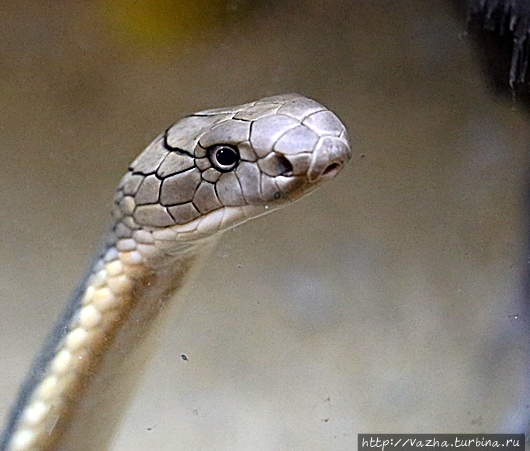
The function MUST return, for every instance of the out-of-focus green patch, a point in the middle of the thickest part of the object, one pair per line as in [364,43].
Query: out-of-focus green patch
[159,24]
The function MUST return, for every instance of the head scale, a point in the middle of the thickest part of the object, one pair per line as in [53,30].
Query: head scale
[217,168]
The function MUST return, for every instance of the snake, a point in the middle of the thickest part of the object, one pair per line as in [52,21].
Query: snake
[205,174]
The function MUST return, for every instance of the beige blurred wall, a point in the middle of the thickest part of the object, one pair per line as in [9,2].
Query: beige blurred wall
[390,301]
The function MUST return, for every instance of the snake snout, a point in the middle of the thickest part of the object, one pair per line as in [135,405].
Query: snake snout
[328,159]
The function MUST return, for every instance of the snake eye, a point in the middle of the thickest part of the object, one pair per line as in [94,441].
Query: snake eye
[224,158]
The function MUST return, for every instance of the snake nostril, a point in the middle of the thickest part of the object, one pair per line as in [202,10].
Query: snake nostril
[285,167]
[332,169]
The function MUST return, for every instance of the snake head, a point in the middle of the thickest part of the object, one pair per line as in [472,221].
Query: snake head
[217,168]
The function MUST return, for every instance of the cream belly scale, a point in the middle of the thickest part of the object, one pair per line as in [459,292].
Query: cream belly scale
[207,173]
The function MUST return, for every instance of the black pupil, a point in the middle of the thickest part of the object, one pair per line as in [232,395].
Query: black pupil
[226,156]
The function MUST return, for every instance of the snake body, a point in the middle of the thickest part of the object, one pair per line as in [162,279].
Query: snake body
[207,173]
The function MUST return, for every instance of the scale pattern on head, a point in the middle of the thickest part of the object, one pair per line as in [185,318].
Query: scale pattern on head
[217,168]
[208,172]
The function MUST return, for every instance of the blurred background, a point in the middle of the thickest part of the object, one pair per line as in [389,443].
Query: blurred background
[392,300]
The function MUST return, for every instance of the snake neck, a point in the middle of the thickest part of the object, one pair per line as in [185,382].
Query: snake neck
[106,339]
[207,173]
